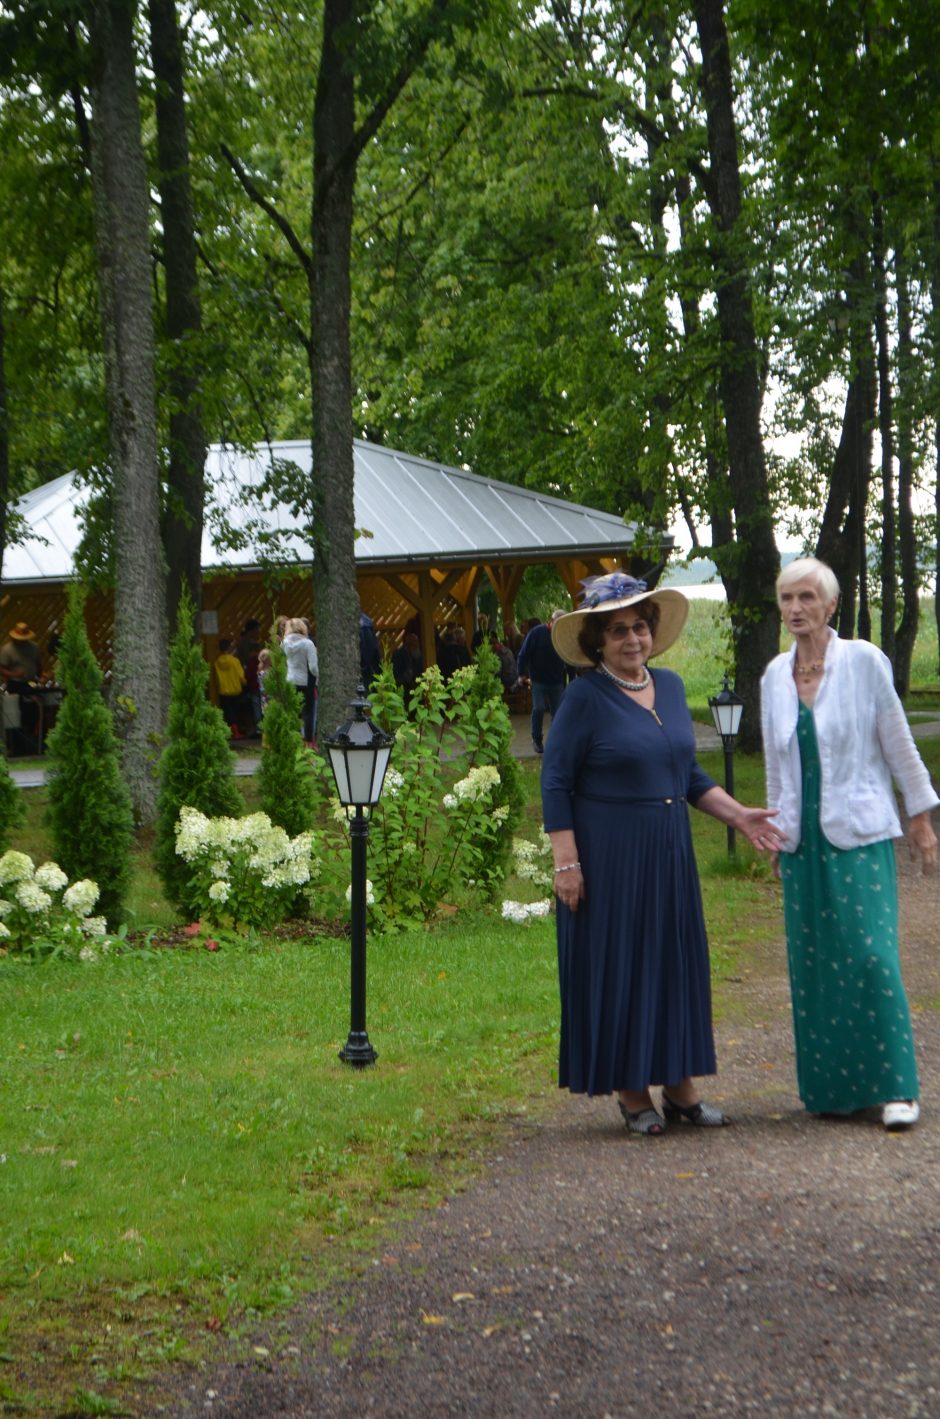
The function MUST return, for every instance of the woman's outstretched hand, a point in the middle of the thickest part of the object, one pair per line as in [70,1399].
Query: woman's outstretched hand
[760,831]
[922,841]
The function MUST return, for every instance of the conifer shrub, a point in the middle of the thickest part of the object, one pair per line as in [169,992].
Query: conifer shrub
[197,764]
[12,807]
[89,810]
[289,782]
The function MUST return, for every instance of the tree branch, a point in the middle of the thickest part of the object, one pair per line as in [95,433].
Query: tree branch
[374,119]
[258,197]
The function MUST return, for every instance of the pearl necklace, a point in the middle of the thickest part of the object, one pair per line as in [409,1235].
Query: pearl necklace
[634,686]
[807,671]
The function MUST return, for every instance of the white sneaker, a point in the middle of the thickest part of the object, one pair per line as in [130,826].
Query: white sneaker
[902,1113]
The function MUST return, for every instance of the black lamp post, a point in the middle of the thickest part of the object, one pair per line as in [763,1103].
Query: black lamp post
[727,709]
[359,753]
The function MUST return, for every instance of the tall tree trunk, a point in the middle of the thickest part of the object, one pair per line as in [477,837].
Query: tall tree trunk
[907,530]
[334,171]
[889,561]
[4,437]
[122,236]
[935,343]
[754,614]
[185,484]
[841,538]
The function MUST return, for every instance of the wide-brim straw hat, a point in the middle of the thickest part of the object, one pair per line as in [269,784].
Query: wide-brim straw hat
[614,592]
[21,632]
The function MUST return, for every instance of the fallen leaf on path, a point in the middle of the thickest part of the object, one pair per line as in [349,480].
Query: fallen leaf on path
[432,1320]
[463,1296]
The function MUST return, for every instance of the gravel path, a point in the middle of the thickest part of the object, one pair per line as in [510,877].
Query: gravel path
[786,1266]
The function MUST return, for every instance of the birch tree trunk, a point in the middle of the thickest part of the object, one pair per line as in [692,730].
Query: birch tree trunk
[122,236]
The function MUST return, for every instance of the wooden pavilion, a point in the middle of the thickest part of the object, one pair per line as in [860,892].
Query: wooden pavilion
[428,535]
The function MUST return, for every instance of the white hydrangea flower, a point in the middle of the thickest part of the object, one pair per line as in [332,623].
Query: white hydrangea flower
[500,813]
[394,782]
[15,867]
[51,877]
[449,801]
[94,926]
[521,912]
[370,893]
[4,931]
[81,896]
[478,783]
[88,953]
[219,891]
[31,896]
[461,679]
[5,908]
[192,831]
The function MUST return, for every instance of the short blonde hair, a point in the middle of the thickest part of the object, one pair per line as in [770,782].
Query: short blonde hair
[810,569]
[297,626]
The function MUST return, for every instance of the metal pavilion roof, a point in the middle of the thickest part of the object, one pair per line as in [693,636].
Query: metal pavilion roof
[413,510]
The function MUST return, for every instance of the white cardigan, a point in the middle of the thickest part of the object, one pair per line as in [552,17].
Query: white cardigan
[863,739]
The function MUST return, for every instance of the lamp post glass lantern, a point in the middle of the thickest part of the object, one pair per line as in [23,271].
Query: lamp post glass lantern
[359,753]
[727,709]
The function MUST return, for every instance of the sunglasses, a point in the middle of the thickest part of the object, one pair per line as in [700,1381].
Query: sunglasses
[620,630]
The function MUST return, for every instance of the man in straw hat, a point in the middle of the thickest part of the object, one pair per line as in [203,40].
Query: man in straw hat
[619,771]
[19,657]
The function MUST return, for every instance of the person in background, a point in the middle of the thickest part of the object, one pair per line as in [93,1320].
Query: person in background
[540,664]
[302,670]
[407,665]
[21,671]
[370,652]
[264,665]
[230,681]
[513,637]
[835,734]
[249,642]
[20,659]
[482,632]
[452,652]
[508,670]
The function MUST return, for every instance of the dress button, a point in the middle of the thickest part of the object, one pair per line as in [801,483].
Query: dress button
[667,800]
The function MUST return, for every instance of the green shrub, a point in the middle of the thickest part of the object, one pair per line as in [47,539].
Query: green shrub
[196,766]
[243,872]
[287,779]
[12,808]
[43,916]
[429,845]
[89,811]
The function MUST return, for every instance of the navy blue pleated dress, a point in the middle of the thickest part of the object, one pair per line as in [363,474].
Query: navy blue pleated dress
[633,959]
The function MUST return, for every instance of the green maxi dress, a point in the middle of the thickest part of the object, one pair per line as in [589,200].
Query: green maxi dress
[854,1047]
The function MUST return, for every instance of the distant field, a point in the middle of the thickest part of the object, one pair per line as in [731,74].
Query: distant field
[703,651]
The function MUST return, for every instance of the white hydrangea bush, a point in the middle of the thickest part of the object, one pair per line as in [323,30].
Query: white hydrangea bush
[42,915]
[245,871]
[531,862]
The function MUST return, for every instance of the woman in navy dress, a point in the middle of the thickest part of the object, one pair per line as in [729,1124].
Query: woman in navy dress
[618,773]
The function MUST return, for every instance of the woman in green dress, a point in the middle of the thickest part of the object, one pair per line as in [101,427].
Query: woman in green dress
[835,734]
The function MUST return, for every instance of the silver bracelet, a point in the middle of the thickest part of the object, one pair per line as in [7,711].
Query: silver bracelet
[569,867]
